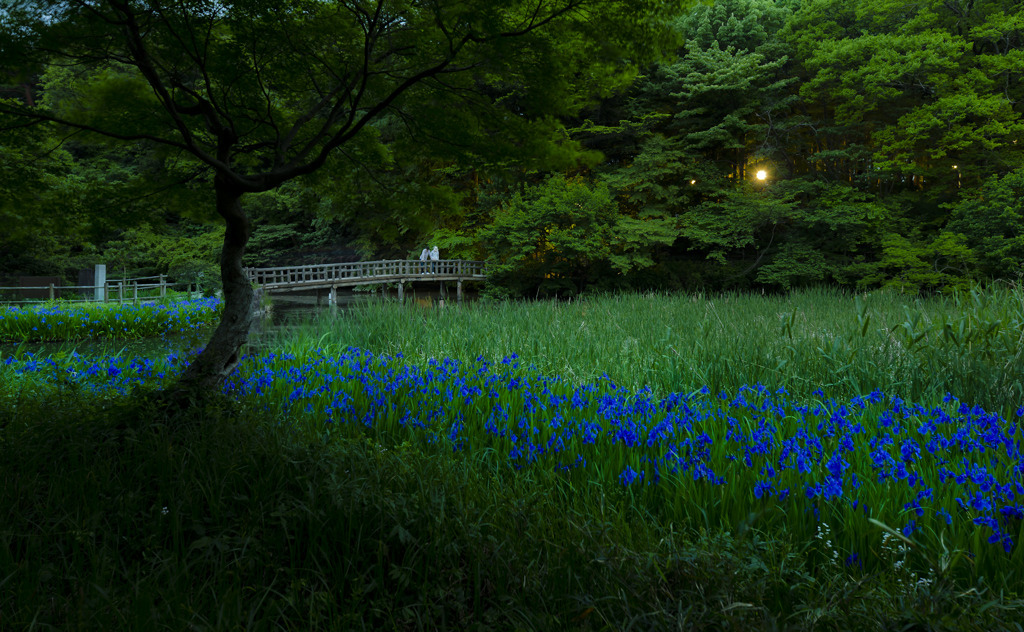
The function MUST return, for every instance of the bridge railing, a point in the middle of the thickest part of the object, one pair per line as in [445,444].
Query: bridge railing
[328,272]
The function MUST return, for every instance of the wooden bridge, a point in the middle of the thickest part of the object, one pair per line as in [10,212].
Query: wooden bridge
[331,276]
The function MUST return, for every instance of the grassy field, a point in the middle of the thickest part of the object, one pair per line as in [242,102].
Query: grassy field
[816,461]
[969,344]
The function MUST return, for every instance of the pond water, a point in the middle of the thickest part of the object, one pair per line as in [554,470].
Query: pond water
[289,310]
[287,307]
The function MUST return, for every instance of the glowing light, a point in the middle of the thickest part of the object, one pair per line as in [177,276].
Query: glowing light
[762,174]
[693,182]
[954,166]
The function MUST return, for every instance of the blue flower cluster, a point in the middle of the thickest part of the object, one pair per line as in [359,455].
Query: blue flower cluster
[940,461]
[105,376]
[949,466]
[89,320]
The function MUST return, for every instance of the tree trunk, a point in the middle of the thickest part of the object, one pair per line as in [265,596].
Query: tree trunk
[220,357]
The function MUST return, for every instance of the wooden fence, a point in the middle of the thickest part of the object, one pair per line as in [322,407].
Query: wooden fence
[113,290]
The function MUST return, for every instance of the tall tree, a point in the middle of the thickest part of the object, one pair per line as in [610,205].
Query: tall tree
[926,92]
[261,92]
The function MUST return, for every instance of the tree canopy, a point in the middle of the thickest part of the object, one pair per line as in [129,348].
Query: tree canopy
[260,92]
[575,144]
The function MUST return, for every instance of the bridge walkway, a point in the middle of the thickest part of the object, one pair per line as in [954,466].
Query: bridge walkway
[331,276]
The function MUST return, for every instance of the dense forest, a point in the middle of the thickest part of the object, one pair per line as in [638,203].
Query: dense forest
[772,144]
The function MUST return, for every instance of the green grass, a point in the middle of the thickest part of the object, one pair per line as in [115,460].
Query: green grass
[116,515]
[969,344]
[702,460]
[115,523]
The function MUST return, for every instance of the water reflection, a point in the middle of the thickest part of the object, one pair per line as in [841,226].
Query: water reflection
[291,308]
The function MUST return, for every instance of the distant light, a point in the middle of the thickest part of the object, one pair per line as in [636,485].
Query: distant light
[693,182]
[762,174]
[954,166]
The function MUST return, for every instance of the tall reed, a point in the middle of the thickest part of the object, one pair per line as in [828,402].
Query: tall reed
[970,344]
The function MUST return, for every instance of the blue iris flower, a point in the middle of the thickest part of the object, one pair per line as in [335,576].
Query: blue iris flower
[762,489]
[833,488]
[837,465]
[628,475]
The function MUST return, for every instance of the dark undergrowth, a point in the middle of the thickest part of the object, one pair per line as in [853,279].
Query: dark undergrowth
[120,517]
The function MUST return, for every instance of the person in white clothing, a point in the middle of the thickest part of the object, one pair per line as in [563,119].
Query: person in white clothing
[435,256]
[424,256]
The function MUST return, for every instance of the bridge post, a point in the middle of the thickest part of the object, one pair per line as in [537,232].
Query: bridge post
[458,292]
[401,292]
[332,298]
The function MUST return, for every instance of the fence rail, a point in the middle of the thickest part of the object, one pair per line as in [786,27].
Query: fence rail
[315,276]
[113,290]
